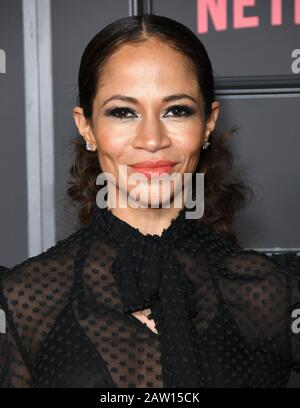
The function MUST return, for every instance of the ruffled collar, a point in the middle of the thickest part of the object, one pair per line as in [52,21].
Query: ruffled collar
[120,231]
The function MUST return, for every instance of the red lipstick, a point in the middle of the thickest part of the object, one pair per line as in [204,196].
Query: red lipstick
[154,167]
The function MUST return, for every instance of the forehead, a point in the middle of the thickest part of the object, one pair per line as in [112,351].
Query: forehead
[151,65]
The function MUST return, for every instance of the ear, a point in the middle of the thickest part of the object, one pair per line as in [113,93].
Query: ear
[211,123]
[84,127]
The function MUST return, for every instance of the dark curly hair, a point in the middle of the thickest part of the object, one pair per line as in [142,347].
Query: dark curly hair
[224,192]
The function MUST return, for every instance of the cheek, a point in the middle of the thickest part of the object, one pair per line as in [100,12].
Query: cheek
[111,146]
[187,135]
[190,143]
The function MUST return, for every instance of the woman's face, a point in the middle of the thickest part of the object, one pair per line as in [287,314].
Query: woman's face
[153,124]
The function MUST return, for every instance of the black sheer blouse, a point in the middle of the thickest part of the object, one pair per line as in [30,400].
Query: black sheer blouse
[221,315]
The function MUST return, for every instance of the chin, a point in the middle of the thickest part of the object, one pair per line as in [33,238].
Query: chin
[153,200]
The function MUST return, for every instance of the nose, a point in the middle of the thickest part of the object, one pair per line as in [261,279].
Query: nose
[151,135]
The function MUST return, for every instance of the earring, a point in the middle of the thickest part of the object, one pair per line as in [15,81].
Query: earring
[89,146]
[205,145]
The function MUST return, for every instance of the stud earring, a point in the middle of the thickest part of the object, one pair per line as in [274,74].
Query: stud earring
[89,146]
[205,145]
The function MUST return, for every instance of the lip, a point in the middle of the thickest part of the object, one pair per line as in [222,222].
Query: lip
[154,168]
[150,164]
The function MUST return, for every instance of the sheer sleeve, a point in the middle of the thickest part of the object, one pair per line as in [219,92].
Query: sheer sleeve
[32,294]
[256,289]
[291,264]
[13,369]
[14,372]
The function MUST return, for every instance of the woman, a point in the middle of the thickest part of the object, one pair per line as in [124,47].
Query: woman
[146,297]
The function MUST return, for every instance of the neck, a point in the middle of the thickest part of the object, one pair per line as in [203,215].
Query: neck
[148,220]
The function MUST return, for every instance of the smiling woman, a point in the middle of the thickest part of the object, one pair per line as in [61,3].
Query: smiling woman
[147,96]
[146,297]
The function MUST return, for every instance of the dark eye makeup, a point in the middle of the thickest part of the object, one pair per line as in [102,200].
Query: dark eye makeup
[122,111]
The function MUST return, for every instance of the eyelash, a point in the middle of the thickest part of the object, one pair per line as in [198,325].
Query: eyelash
[112,112]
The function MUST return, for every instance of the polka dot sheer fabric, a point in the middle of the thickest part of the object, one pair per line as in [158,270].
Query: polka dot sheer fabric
[222,314]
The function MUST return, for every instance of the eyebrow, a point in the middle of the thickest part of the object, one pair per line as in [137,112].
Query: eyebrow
[168,98]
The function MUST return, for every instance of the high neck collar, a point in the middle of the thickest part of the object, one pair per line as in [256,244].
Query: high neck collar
[120,230]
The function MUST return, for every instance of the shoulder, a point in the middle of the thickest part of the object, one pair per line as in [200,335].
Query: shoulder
[33,292]
[256,289]
[255,273]
[251,264]
[41,278]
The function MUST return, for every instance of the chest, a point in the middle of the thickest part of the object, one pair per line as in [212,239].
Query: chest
[106,352]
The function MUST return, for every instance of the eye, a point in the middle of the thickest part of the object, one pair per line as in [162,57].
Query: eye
[179,109]
[119,113]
